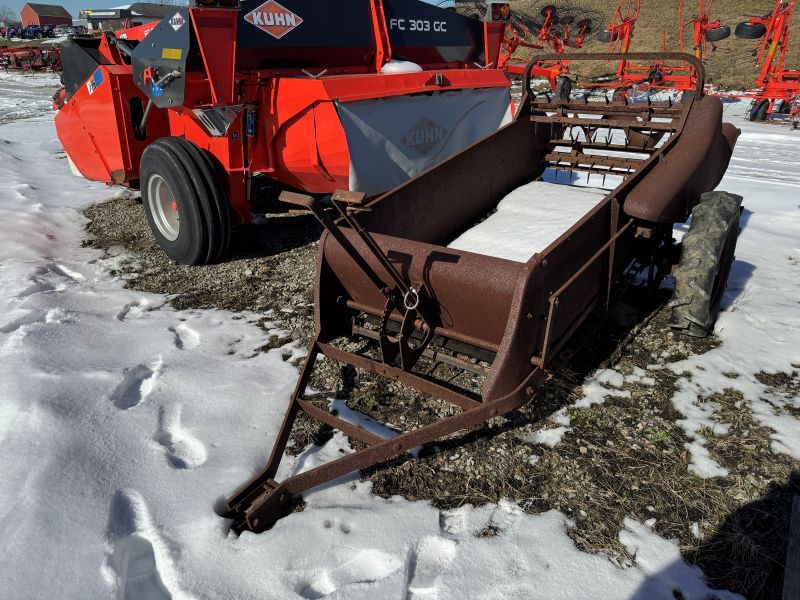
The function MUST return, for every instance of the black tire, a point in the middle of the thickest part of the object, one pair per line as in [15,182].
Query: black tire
[720,33]
[606,36]
[563,89]
[549,9]
[705,264]
[199,230]
[759,111]
[750,31]
[39,36]
[220,208]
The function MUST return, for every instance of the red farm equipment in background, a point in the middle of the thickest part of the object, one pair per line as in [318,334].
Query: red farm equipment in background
[661,75]
[357,94]
[30,59]
[553,31]
[777,86]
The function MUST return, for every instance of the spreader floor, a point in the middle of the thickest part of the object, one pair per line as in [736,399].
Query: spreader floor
[528,220]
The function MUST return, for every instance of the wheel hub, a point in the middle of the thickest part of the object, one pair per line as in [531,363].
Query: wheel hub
[163,207]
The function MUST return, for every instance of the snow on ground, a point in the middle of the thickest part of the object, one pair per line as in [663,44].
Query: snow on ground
[124,424]
[528,220]
[760,325]
[19,101]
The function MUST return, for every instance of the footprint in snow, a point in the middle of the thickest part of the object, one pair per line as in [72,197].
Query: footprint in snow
[432,555]
[136,385]
[184,451]
[186,338]
[504,516]
[453,522]
[37,286]
[363,566]
[54,315]
[66,272]
[138,557]
[132,309]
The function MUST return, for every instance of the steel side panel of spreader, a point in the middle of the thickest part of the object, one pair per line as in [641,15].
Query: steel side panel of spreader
[96,129]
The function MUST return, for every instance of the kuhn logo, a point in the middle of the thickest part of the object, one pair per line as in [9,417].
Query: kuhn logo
[177,21]
[425,136]
[273,18]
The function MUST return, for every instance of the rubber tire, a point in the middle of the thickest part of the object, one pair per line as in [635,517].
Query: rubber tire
[205,219]
[605,36]
[750,31]
[705,264]
[39,36]
[549,8]
[563,89]
[220,207]
[720,33]
[759,111]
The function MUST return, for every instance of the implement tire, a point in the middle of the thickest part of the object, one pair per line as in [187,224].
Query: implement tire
[750,31]
[563,89]
[184,203]
[718,34]
[705,264]
[605,36]
[548,9]
[759,111]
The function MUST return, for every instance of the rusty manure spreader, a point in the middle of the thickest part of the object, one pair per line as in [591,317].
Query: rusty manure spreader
[424,274]
[353,94]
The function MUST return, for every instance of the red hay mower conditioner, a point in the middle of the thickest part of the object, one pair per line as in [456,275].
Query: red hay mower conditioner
[357,94]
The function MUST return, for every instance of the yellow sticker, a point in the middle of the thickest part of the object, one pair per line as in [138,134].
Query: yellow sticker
[172,53]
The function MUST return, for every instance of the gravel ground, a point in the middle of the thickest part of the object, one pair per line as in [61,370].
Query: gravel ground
[625,457]
[269,268]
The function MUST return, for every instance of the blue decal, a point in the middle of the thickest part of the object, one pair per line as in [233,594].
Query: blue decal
[95,81]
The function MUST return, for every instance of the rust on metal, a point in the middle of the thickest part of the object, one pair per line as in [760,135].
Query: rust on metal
[385,275]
